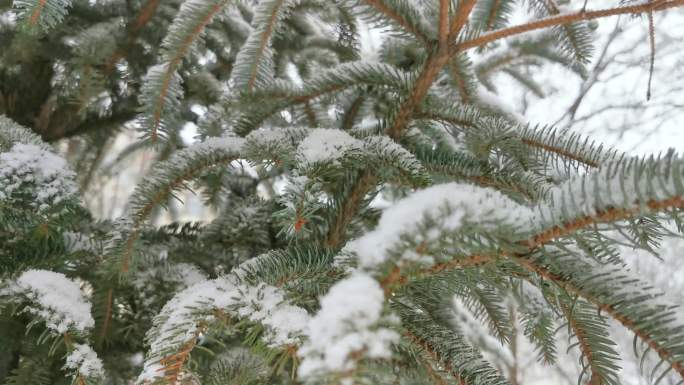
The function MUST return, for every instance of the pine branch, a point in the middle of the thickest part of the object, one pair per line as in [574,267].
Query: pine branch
[254,63]
[42,14]
[156,189]
[667,172]
[581,15]
[428,75]
[575,37]
[568,146]
[12,133]
[446,347]
[461,17]
[590,330]
[492,14]
[657,341]
[431,69]
[161,92]
[433,355]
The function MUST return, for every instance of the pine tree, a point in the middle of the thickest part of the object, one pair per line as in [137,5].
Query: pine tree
[494,229]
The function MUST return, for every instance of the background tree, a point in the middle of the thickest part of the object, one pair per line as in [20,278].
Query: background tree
[496,233]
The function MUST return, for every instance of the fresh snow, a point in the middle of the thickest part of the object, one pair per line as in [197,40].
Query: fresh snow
[33,169]
[56,298]
[178,321]
[349,322]
[326,145]
[460,202]
[226,143]
[84,361]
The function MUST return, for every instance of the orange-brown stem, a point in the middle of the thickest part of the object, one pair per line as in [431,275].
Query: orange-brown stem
[35,15]
[560,151]
[443,34]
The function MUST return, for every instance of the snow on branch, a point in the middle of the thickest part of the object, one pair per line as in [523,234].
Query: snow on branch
[182,320]
[12,133]
[83,361]
[333,147]
[620,190]
[326,145]
[31,174]
[53,297]
[351,324]
[449,207]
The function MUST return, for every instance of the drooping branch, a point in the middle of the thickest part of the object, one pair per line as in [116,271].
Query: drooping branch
[264,41]
[444,24]
[547,236]
[662,351]
[160,197]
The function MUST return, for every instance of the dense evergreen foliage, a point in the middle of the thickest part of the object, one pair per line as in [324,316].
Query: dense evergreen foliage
[377,220]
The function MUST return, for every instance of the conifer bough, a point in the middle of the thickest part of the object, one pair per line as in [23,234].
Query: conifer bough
[496,230]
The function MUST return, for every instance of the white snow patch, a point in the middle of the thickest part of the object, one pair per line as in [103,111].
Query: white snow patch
[56,298]
[84,360]
[35,170]
[178,321]
[326,145]
[348,322]
[460,202]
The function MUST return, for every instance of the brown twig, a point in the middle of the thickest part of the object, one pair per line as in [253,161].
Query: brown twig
[35,15]
[584,345]
[443,34]
[560,151]
[433,66]
[630,324]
